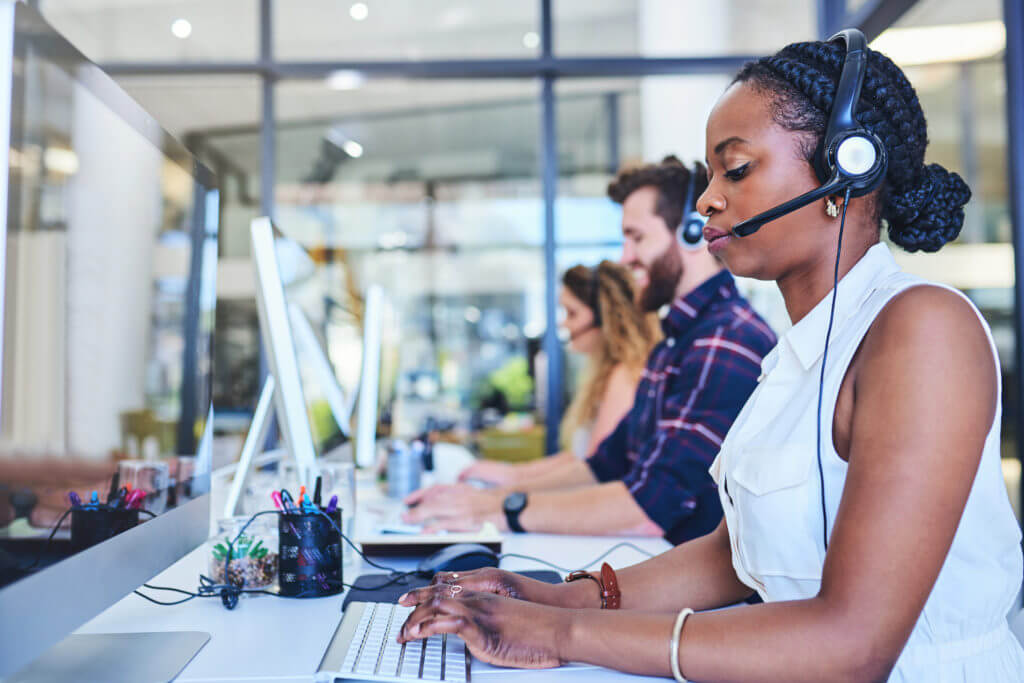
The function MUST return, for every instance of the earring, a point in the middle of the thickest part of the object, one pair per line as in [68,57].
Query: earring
[830,208]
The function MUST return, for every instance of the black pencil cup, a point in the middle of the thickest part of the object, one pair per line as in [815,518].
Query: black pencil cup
[90,526]
[309,557]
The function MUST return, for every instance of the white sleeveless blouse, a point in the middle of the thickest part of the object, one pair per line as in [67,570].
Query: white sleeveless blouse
[768,482]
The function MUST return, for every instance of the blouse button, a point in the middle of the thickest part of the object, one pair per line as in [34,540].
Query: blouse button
[670,342]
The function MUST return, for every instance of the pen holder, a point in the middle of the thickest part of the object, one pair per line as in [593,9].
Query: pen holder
[90,526]
[309,558]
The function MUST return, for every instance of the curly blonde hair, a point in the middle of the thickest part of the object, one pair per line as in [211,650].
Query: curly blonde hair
[627,336]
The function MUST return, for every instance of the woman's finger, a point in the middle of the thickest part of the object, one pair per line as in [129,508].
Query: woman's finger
[416,596]
[411,627]
[437,607]
[445,623]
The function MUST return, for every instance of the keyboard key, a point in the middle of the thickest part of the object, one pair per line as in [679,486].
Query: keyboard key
[432,672]
[411,661]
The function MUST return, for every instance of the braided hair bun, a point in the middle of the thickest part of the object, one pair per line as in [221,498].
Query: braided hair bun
[922,205]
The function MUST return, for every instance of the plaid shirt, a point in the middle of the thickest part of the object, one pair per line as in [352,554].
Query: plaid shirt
[693,387]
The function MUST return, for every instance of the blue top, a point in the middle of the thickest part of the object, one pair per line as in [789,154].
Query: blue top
[695,383]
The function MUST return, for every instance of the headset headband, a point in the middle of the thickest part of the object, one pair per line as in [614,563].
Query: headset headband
[849,158]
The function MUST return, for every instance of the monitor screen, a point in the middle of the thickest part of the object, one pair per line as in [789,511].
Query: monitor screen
[325,309]
[107,305]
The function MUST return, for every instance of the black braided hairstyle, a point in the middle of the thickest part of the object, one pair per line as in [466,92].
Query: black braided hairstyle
[922,205]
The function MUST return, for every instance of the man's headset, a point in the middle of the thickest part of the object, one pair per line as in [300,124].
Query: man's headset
[849,156]
[690,231]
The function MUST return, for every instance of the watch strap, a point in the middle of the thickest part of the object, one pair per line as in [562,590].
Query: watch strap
[581,574]
[607,585]
[611,597]
[512,519]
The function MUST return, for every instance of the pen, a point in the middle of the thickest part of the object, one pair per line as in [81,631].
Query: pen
[332,505]
[94,499]
[302,493]
[316,490]
[75,500]
[135,499]
[276,497]
[119,499]
[114,480]
[287,500]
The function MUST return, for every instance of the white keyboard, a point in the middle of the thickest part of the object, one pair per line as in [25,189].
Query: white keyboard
[364,648]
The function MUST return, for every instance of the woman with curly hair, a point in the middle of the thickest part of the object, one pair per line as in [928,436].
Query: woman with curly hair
[892,555]
[606,325]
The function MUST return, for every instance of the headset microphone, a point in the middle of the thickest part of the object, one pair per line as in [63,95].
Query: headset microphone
[849,157]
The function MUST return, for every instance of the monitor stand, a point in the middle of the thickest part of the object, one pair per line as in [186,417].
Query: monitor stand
[115,658]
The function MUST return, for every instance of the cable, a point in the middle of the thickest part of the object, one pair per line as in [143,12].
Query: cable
[49,540]
[229,593]
[623,544]
[359,552]
[824,359]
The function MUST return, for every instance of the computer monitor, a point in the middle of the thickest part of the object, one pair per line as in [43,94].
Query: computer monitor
[109,228]
[301,381]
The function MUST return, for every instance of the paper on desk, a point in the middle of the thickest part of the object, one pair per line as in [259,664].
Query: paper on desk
[487,533]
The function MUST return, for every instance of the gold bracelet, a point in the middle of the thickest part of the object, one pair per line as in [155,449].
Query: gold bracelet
[674,644]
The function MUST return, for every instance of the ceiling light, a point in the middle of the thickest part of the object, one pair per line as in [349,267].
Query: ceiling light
[345,79]
[359,11]
[531,40]
[352,148]
[61,160]
[946,43]
[181,28]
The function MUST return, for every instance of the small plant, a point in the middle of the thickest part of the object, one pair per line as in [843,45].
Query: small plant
[244,547]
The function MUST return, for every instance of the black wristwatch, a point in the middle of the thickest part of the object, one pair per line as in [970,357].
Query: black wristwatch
[513,505]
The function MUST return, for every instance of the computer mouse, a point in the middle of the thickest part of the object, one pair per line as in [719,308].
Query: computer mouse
[457,557]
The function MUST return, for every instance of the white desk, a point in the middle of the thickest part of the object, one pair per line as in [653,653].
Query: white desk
[267,638]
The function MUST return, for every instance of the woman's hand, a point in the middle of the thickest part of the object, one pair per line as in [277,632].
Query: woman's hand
[497,473]
[496,629]
[515,586]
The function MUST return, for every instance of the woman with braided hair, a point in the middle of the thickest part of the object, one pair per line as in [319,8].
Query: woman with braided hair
[893,553]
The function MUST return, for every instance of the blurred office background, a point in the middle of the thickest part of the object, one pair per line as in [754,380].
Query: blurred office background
[456,152]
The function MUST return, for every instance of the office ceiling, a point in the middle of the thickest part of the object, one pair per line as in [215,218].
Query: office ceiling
[395,118]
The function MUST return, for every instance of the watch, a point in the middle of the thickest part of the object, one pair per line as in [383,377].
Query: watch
[513,505]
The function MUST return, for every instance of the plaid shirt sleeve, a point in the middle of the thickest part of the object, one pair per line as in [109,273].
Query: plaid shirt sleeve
[609,461]
[669,476]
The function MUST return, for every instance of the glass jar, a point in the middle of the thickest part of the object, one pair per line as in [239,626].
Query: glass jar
[253,561]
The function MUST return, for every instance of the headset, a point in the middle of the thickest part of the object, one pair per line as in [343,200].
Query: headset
[849,157]
[690,231]
[850,160]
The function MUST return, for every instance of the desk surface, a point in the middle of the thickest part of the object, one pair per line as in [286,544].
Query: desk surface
[273,639]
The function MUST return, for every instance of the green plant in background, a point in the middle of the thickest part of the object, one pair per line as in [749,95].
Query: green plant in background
[245,546]
[513,380]
[321,421]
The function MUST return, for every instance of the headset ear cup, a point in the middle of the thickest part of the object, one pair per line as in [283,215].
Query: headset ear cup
[691,231]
